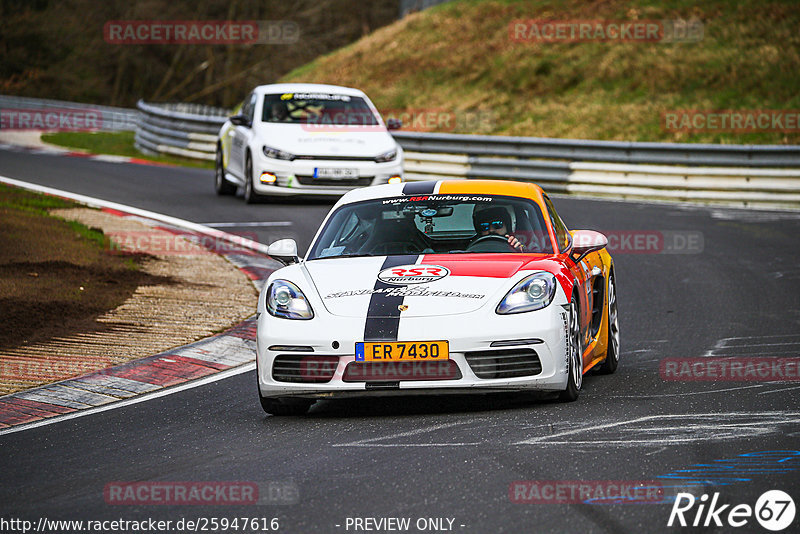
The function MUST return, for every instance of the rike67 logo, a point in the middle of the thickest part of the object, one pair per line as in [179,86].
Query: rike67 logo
[403,275]
[774,510]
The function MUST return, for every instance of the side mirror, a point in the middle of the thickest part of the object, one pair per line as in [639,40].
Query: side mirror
[586,241]
[394,124]
[284,250]
[239,120]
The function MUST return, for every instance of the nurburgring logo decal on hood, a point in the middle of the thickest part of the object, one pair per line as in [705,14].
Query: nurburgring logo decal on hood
[404,275]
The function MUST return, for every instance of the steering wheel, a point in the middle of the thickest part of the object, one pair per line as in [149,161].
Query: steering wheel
[490,239]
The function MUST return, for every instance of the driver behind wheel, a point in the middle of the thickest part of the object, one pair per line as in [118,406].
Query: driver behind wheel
[495,221]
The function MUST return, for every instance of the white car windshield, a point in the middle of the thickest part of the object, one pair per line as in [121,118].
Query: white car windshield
[433,224]
[318,108]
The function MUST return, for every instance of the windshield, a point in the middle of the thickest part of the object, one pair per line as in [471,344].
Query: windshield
[433,224]
[317,108]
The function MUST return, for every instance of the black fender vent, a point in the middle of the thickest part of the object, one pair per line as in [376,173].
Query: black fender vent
[598,301]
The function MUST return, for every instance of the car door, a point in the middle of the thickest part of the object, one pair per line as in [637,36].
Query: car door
[582,270]
[240,137]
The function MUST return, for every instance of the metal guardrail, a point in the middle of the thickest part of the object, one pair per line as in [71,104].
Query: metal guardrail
[743,175]
[606,151]
[187,130]
[113,119]
[745,187]
[762,176]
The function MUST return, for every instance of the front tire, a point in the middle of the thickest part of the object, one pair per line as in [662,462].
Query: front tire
[250,195]
[575,355]
[611,362]
[282,406]
[221,185]
[285,406]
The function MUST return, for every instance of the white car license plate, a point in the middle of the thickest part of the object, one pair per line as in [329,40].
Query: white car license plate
[335,173]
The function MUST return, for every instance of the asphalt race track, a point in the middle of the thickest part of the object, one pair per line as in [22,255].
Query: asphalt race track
[735,294]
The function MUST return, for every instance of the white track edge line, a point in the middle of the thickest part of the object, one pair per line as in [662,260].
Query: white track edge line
[96,202]
[167,219]
[222,375]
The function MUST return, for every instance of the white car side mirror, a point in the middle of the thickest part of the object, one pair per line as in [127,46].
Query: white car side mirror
[284,250]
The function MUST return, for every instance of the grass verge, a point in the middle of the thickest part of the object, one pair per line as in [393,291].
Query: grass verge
[459,58]
[56,277]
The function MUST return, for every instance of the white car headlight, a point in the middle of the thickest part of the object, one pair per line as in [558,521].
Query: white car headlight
[532,293]
[284,299]
[274,153]
[386,156]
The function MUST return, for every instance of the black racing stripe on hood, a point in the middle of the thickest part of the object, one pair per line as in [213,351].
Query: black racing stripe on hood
[419,188]
[383,314]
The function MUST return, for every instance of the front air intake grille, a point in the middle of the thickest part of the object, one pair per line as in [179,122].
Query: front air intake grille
[304,368]
[508,363]
[380,372]
[337,158]
[330,182]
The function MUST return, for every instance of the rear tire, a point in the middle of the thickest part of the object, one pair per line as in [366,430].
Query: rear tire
[250,195]
[221,185]
[611,362]
[575,355]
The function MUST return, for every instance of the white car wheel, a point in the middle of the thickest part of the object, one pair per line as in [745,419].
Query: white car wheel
[574,356]
[611,362]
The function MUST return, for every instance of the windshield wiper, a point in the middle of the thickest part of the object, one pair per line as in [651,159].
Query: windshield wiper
[348,255]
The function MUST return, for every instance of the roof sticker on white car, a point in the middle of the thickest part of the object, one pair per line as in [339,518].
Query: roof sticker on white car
[420,188]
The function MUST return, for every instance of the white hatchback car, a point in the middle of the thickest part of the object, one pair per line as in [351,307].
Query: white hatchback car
[305,139]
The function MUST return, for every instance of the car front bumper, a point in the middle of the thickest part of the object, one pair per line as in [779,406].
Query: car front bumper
[297,177]
[544,330]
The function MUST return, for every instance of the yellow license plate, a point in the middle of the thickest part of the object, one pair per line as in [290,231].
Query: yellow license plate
[399,351]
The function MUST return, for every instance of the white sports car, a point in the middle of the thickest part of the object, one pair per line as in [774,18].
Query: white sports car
[305,139]
[436,287]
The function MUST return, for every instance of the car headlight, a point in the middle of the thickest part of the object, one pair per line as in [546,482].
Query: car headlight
[532,293]
[274,153]
[284,299]
[386,156]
